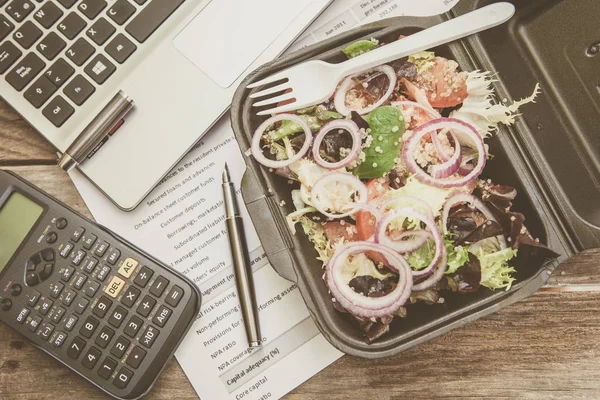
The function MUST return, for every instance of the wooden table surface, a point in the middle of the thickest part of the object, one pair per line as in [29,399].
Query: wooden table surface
[546,346]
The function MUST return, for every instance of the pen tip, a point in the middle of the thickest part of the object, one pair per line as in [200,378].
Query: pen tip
[226,174]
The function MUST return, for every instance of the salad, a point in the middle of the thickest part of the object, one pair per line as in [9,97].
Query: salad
[386,180]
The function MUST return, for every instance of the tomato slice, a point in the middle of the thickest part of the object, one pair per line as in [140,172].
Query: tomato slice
[335,230]
[365,221]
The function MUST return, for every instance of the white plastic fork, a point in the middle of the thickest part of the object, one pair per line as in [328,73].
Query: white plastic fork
[313,82]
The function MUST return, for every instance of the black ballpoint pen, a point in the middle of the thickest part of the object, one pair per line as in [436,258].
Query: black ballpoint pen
[241,262]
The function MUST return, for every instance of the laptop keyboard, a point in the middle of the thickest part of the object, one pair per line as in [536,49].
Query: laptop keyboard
[73,45]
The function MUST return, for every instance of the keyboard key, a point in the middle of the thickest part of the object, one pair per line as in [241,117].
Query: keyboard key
[25,70]
[79,90]
[136,357]
[149,336]
[71,321]
[22,316]
[79,281]
[120,48]
[67,3]
[34,323]
[100,31]
[80,51]
[48,14]
[120,346]
[68,296]
[121,11]
[107,367]
[101,249]
[104,337]
[143,276]
[66,250]
[123,377]
[77,234]
[66,273]
[91,288]
[59,312]
[159,286]
[46,306]
[115,286]
[140,2]
[72,25]
[9,53]
[81,305]
[128,266]
[58,73]
[6,27]
[102,272]
[51,45]
[59,339]
[130,296]
[146,306]
[174,296]
[91,8]
[90,262]
[88,240]
[58,111]
[113,256]
[19,9]
[89,327]
[162,316]
[79,254]
[56,289]
[32,298]
[47,329]
[150,18]
[27,34]
[117,317]
[100,69]
[102,306]
[76,347]
[133,326]
[91,357]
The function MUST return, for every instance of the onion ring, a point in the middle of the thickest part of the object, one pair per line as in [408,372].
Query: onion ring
[349,126]
[339,100]
[319,188]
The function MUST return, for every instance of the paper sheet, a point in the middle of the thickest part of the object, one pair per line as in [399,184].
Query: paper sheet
[182,223]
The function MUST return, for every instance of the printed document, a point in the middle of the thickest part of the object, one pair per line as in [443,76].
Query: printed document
[182,223]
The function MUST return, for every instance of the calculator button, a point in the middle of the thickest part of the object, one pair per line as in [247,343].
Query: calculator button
[48,14]
[89,240]
[121,11]
[128,266]
[117,317]
[149,336]
[174,296]
[6,26]
[47,271]
[136,357]
[59,339]
[71,25]
[15,289]
[146,306]
[25,70]
[91,357]
[91,288]
[61,223]
[102,272]
[78,257]
[133,326]
[115,286]
[32,298]
[68,296]
[81,305]
[71,321]
[123,377]
[162,316]
[51,45]
[31,279]
[102,306]
[76,347]
[9,53]
[79,281]
[36,95]
[45,306]
[99,69]
[130,296]
[66,273]
[52,236]
[23,315]
[113,257]
[120,48]
[107,367]
[80,51]
[47,255]
[5,304]
[56,289]
[89,327]
[66,250]
[159,286]
[47,329]
[100,31]
[77,234]
[89,264]
[120,346]
[19,9]
[58,313]
[30,265]
[101,249]
[104,337]
[91,8]
[34,323]
[27,34]
[143,276]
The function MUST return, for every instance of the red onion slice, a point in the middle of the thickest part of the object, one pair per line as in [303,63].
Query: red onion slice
[465,133]
[320,189]
[477,203]
[407,103]
[339,100]
[449,165]
[349,126]
[258,153]
[409,201]
[357,303]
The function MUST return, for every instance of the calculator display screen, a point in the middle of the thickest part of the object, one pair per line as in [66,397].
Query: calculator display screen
[17,217]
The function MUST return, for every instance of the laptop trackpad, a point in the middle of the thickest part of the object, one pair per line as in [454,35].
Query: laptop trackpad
[227,36]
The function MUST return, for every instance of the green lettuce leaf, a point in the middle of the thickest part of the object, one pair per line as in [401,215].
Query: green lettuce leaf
[495,271]
[423,60]
[358,48]
[457,256]
[422,257]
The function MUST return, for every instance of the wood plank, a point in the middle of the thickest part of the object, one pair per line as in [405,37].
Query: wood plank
[20,143]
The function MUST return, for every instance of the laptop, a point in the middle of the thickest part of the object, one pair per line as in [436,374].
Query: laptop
[61,61]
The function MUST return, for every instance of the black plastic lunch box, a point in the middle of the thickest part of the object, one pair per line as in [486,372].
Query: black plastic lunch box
[551,155]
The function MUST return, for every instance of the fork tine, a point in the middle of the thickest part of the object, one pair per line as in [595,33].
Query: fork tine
[267,80]
[288,107]
[274,100]
[274,89]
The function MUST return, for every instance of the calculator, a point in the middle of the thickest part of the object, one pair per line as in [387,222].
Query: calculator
[87,297]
